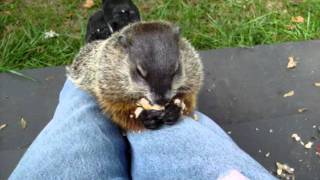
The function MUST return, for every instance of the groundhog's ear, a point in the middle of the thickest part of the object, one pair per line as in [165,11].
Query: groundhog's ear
[124,40]
[176,31]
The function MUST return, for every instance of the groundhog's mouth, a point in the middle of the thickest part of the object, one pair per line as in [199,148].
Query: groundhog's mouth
[144,104]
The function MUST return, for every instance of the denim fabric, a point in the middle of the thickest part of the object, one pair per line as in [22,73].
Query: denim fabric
[190,150]
[80,143]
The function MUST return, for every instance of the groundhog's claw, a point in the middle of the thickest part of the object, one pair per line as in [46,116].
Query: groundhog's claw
[151,119]
[172,114]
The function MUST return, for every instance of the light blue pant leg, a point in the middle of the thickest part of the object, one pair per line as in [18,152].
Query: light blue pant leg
[190,150]
[78,143]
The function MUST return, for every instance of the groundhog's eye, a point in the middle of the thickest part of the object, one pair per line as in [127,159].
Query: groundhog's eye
[176,69]
[141,72]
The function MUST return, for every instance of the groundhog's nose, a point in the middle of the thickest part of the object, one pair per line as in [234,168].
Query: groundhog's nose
[161,98]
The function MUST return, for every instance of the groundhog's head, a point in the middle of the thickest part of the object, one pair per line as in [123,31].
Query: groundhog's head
[154,60]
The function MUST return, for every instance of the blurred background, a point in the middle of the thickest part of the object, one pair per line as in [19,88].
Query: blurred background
[208,24]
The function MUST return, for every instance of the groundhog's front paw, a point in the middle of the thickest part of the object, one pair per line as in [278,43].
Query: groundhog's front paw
[151,119]
[172,114]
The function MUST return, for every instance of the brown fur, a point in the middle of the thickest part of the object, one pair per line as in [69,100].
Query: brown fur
[121,114]
[190,100]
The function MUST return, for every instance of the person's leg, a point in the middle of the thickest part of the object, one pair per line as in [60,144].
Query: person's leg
[205,121]
[191,150]
[78,143]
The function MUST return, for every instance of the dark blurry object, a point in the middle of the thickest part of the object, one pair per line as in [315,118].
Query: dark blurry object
[115,14]
[97,28]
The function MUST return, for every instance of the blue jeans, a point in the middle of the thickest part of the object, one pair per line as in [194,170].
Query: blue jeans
[81,143]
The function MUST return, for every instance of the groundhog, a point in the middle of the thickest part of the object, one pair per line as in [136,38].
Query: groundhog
[115,14]
[144,76]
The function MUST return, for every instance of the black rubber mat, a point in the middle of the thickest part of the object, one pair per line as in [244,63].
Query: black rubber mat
[243,92]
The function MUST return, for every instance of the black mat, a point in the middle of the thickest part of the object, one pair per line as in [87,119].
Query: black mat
[243,92]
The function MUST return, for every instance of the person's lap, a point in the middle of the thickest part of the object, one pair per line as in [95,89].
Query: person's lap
[80,143]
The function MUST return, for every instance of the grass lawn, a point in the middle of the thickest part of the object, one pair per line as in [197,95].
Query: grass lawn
[206,23]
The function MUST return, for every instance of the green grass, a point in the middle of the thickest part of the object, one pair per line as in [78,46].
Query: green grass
[207,24]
